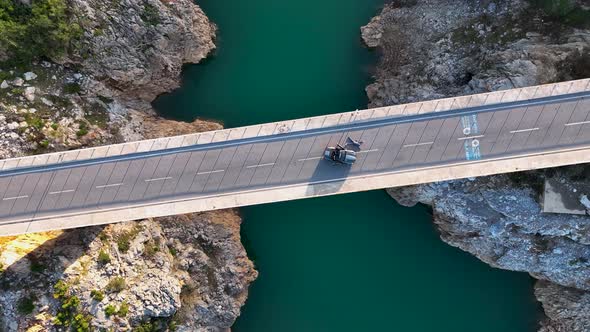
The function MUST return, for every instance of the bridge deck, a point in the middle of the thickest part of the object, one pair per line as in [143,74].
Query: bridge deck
[503,131]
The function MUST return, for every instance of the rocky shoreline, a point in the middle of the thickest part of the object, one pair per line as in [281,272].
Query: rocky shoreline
[438,48]
[183,273]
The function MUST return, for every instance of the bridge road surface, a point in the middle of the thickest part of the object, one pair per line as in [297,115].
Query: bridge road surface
[469,135]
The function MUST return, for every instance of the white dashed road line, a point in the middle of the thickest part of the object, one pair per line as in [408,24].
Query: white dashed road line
[311,158]
[576,123]
[61,191]
[16,197]
[159,179]
[417,144]
[261,165]
[109,185]
[523,130]
[211,172]
[470,137]
[367,151]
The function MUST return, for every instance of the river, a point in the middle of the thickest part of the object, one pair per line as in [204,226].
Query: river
[356,262]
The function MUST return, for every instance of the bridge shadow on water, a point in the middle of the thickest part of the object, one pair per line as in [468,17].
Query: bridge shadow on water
[36,272]
[326,171]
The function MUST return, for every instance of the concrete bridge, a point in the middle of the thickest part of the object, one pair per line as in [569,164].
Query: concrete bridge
[468,136]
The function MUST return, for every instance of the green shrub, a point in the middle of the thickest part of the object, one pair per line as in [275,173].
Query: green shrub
[123,243]
[54,126]
[97,295]
[60,289]
[103,257]
[81,322]
[124,238]
[70,303]
[81,132]
[37,267]
[103,237]
[26,305]
[145,327]
[82,128]
[555,7]
[150,15]
[42,29]
[116,285]
[565,12]
[123,309]
[34,121]
[4,75]
[44,144]
[151,248]
[110,310]
[173,251]
[72,88]
[69,314]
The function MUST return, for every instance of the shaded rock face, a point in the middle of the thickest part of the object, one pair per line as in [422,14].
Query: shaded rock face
[438,48]
[135,49]
[499,220]
[567,309]
[188,270]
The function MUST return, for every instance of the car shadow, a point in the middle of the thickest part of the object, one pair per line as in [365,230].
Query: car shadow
[329,176]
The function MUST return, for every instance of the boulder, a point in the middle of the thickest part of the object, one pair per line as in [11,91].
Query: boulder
[12,125]
[30,93]
[4,85]
[18,81]
[29,76]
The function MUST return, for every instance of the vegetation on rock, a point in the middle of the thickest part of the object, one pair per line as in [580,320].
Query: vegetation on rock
[42,29]
[116,285]
[70,313]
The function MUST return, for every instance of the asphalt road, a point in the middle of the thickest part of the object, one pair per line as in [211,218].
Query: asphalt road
[444,138]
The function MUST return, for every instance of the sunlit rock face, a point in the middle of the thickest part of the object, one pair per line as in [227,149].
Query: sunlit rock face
[136,48]
[190,271]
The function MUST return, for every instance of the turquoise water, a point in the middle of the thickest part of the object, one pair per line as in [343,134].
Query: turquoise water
[277,60]
[356,262]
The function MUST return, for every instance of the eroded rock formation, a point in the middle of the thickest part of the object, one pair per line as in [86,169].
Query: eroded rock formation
[437,48]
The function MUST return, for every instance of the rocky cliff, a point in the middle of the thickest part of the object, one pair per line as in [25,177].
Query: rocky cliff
[135,49]
[437,48]
[189,272]
[183,273]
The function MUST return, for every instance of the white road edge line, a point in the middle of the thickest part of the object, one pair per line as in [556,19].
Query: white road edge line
[62,191]
[261,165]
[523,130]
[158,179]
[109,185]
[210,172]
[576,123]
[311,158]
[367,151]
[469,137]
[16,197]
[417,144]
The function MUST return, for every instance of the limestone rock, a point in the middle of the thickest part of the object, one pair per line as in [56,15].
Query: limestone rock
[4,85]
[18,81]
[483,47]
[192,267]
[372,32]
[139,54]
[568,309]
[30,93]
[29,76]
